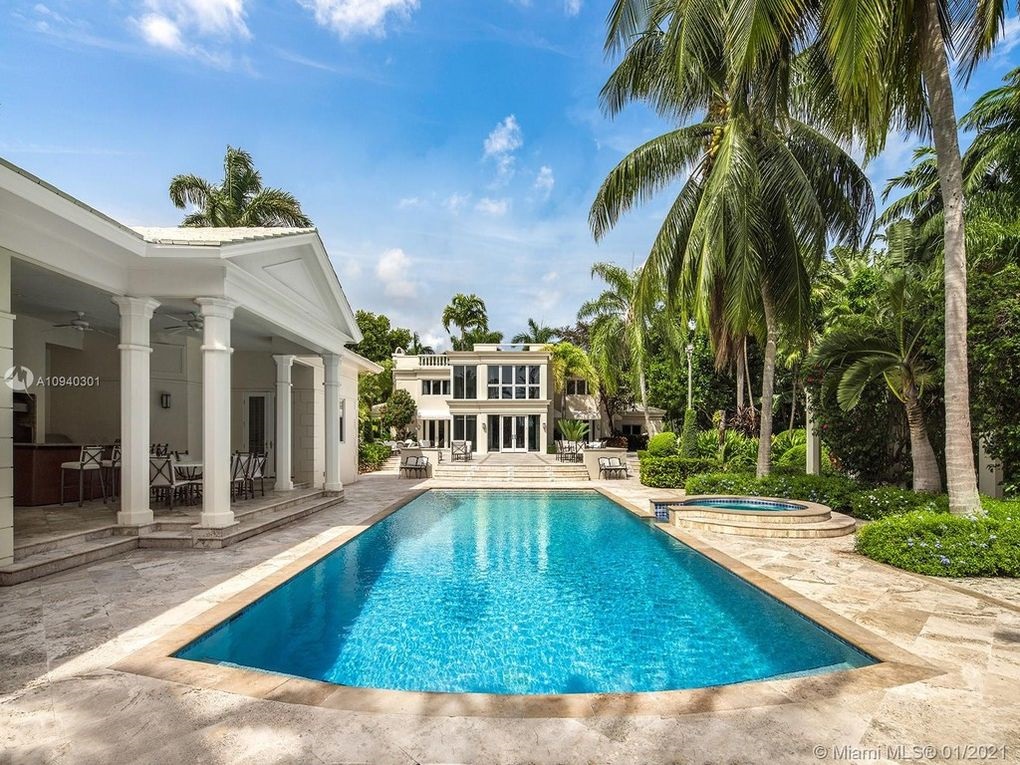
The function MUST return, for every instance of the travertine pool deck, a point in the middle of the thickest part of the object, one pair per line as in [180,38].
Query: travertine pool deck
[61,702]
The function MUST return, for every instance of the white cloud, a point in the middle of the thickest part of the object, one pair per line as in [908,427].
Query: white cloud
[174,25]
[406,202]
[500,145]
[456,202]
[492,206]
[161,32]
[572,7]
[393,270]
[351,17]
[545,180]
[550,277]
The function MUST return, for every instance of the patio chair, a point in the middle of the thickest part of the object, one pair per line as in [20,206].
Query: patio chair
[163,480]
[419,466]
[112,469]
[90,460]
[613,467]
[240,469]
[559,450]
[460,451]
[258,473]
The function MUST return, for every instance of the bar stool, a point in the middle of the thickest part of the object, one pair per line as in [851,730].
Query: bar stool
[90,461]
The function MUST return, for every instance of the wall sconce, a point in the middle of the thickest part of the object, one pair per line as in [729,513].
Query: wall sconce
[164,400]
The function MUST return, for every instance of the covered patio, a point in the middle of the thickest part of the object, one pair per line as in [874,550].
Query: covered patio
[208,341]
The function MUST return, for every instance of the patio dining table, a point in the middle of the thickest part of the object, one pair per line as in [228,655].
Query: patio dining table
[190,469]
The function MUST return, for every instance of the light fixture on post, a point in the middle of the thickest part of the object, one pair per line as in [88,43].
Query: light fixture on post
[164,400]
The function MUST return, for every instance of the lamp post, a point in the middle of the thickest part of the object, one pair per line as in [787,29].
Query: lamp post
[691,325]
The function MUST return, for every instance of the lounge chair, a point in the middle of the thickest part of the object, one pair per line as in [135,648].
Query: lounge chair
[612,467]
[419,466]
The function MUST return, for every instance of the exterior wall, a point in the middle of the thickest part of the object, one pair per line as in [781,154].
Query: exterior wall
[6,417]
[308,425]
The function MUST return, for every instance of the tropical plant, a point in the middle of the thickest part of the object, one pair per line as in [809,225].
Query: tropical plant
[617,334]
[417,348]
[401,411]
[537,333]
[887,343]
[573,430]
[379,338]
[238,200]
[764,191]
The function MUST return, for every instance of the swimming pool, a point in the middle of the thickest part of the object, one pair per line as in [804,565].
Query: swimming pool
[514,592]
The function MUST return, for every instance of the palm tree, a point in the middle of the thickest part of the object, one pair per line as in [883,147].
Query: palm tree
[537,333]
[239,199]
[618,330]
[764,189]
[467,313]
[887,67]
[417,348]
[568,361]
[887,343]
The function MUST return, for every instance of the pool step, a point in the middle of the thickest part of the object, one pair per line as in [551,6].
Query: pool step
[792,527]
[501,472]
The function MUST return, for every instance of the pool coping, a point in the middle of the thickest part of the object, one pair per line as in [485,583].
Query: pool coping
[803,509]
[894,665]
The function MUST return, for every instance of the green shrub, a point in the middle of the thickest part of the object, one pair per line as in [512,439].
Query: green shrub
[372,456]
[689,434]
[671,472]
[940,544]
[662,444]
[1002,509]
[834,491]
[883,501]
[706,444]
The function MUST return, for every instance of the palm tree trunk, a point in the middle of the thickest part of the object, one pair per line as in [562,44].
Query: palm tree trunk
[747,376]
[793,399]
[926,467]
[961,477]
[643,387]
[767,382]
[740,381]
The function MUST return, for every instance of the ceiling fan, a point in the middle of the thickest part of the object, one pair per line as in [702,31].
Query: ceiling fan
[79,324]
[193,322]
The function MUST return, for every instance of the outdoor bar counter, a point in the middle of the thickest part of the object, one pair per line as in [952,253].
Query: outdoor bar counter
[37,475]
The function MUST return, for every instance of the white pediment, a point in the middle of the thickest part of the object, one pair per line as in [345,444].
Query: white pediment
[294,279]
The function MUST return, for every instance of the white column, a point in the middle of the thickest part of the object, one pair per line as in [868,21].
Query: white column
[6,415]
[331,363]
[814,441]
[135,401]
[284,431]
[216,350]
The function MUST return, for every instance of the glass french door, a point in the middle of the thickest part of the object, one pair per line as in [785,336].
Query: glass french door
[259,418]
[515,434]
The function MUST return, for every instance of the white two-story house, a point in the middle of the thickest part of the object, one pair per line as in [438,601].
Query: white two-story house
[501,398]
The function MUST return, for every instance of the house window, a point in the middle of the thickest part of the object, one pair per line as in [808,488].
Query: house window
[435,387]
[465,428]
[631,430]
[465,382]
[577,387]
[514,382]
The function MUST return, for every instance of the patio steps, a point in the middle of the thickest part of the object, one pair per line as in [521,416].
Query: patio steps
[57,554]
[537,472]
[54,556]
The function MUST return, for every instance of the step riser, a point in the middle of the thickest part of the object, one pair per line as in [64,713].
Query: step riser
[778,519]
[777,532]
[241,534]
[53,544]
[8,578]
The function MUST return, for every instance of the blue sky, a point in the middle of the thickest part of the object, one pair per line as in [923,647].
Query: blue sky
[440,146]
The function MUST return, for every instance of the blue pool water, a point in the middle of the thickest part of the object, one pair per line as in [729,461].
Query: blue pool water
[525,593]
[743,503]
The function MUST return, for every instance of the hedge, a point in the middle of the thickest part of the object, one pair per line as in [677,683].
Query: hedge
[834,491]
[662,444]
[940,544]
[671,472]
[883,501]
[372,456]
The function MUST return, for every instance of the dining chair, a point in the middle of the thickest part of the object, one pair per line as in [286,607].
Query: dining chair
[90,460]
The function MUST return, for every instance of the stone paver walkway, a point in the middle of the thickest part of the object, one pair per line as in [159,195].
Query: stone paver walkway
[60,703]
